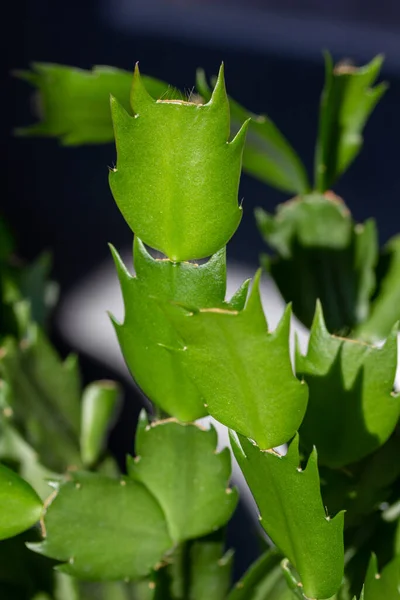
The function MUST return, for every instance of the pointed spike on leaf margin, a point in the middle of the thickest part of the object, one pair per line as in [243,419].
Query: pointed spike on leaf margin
[141,257]
[219,95]
[140,99]
[122,271]
[239,140]
[238,299]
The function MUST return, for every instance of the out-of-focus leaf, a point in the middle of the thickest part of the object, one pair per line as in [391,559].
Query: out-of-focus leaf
[211,568]
[20,506]
[347,101]
[352,409]
[263,580]
[187,207]
[73,104]
[146,334]
[197,570]
[293,515]
[35,286]
[383,585]
[44,396]
[179,465]
[104,529]
[321,254]
[385,305]
[267,155]
[98,407]
[243,371]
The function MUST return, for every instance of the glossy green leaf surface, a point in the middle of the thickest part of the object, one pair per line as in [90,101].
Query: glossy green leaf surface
[293,515]
[347,101]
[73,104]
[44,396]
[99,401]
[263,580]
[177,175]
[20,506]
[382,585]
[385,305]
[242,371]
[352,409]
[192,485]
[146,335]
[104,529]
[321,254]
[267,155]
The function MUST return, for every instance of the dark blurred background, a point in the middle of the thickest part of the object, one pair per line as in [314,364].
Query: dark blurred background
[58,198]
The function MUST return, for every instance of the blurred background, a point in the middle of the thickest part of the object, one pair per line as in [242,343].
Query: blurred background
[58,198]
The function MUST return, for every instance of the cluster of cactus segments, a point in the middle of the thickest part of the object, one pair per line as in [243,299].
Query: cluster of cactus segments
[315,434]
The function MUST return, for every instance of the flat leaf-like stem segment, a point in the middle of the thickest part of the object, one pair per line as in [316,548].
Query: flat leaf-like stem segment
[241,370]
[147,336]
[264,579]
[104,529]
[99,401]
[347,101]
[352,409]
[178,465]
[321,254]
[73,104]
[385,304]
[20,506]
[177,175]
[267,155]
[384,585]
[44,398]
[108,529]
[292,513]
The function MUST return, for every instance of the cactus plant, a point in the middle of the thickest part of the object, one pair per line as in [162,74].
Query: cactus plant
[329,503]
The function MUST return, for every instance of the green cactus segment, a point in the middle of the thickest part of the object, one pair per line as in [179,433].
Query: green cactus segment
[43,397]
[242,371]
[73,104]
[264,579]
[352,409]
[104,529]
[20,505]
[211,572]
[293,515]
[177,176]
[146,335]
[385,305]
[321,254]
[347,101]
[98,407]
[179,465]
[176,490]
[384,585]
[267,155]
[196,570]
